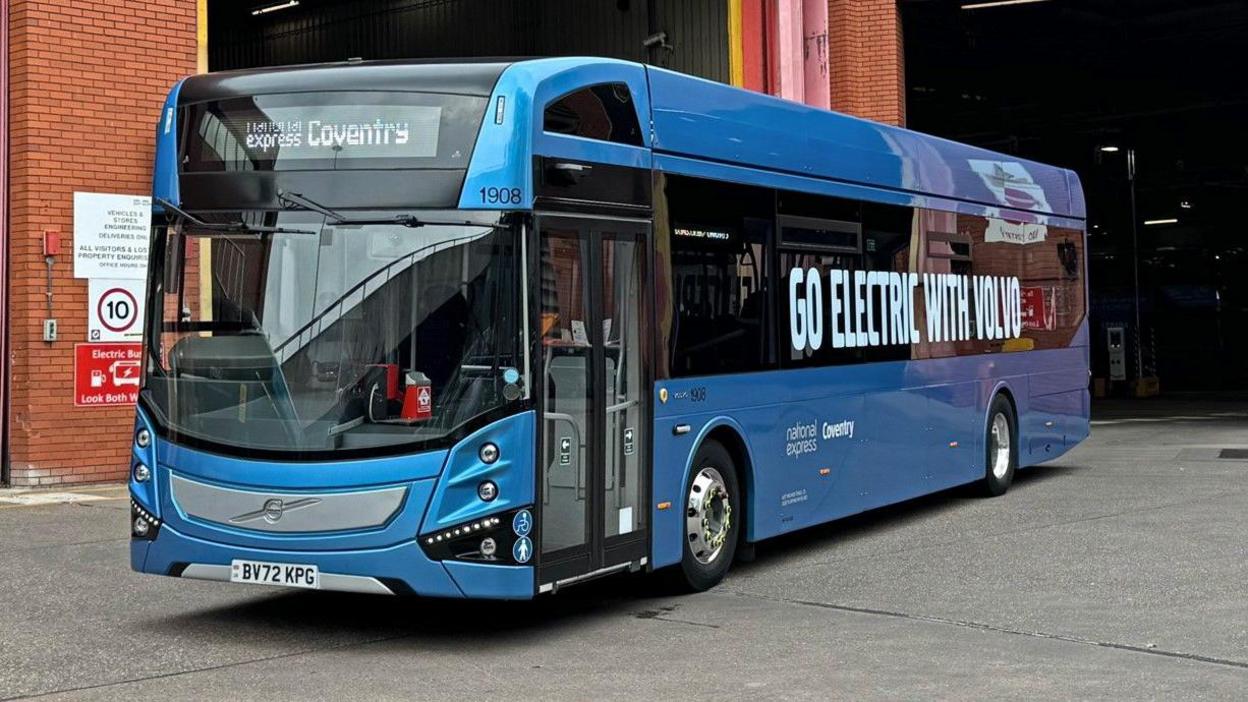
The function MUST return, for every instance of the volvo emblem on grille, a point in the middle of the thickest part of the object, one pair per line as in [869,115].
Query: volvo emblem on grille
[273,510]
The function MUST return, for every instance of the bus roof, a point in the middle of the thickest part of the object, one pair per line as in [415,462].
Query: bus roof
[697,123]
[707,120]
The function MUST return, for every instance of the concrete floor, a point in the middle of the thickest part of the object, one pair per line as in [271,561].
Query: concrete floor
[1119,571]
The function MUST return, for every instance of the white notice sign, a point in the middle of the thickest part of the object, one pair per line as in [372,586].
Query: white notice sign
[1005,231]
[115,310]
[110,235]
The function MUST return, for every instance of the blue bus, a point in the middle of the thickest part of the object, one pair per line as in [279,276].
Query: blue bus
[487,329]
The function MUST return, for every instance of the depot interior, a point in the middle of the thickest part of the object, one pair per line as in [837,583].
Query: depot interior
[1091,85]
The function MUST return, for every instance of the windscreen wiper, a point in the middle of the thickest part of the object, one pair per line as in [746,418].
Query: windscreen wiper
[236,226]
[291,200]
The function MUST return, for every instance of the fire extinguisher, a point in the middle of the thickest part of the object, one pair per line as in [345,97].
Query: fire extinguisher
[417,397]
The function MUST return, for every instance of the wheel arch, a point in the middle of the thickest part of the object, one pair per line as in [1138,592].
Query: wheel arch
[729,434]
[1005,390]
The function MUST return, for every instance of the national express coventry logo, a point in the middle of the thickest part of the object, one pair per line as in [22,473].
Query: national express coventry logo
[877,308]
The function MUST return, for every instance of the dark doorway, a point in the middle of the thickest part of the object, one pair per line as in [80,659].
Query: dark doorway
[1085,84]
[690,36]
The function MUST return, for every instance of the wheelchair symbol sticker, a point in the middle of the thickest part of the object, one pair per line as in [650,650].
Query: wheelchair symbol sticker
[522,523]
[522,551]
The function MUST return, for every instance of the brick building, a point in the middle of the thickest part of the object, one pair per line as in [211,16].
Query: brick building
[85,80]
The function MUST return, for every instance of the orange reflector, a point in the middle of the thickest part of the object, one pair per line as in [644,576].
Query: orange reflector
[665,505]
[825,471]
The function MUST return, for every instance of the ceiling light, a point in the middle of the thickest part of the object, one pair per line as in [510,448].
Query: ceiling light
[1109,149]
[1150,222]
[998,3]
[274,8]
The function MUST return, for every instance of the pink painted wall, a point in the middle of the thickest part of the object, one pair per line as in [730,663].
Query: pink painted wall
[818,87]
[789,66]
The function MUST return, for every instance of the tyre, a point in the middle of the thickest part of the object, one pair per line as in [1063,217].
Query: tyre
[712,518]
[1000,448]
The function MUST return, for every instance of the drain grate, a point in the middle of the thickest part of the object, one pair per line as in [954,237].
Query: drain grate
[1233,453]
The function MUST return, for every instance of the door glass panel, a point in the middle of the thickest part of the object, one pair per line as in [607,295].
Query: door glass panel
[624,439]
[566,351]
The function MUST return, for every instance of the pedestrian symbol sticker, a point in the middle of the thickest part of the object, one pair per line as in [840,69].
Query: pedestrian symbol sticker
[522,523]
[522,551]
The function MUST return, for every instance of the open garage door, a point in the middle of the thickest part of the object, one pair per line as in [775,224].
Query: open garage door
[1140,98]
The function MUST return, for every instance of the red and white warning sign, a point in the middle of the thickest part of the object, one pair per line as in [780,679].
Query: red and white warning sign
[1038,309]
[107,375]
[115,310]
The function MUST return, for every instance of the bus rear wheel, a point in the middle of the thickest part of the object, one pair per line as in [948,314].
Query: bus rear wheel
[1001,448]
[712,518]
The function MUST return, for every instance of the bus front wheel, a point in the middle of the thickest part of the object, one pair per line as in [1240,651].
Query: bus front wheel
[712,517]
[1001,448]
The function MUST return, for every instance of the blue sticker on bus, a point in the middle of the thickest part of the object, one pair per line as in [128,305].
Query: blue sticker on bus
[522,551]
[522,523]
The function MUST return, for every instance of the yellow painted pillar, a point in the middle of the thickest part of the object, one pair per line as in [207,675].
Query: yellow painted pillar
[205,247]
[736,55]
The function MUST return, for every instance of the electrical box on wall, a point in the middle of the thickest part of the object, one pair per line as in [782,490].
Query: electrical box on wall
[1117,352]
[49,330]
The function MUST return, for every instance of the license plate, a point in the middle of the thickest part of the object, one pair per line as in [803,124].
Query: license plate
[281,574]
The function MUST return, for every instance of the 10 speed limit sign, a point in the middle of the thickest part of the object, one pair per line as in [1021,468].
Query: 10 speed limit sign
[115,310]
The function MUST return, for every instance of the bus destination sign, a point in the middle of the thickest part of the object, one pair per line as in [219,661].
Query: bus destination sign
[343,131]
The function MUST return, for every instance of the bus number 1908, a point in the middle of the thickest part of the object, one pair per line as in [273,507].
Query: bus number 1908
[500,196]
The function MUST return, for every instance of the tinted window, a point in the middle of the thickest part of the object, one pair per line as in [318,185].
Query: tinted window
[604,112]
[718,235]
[839,301]
[1046,261]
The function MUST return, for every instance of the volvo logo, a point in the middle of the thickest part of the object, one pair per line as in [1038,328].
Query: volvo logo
[273,510]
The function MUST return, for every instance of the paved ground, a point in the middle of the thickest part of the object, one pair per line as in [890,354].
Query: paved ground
[1120,571]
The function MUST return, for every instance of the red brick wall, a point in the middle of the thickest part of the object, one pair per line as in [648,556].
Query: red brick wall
[88,81]
[867,64]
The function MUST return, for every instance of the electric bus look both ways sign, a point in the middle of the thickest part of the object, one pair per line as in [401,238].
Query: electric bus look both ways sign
[107,374]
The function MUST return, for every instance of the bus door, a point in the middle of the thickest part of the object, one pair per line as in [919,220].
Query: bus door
[593,374]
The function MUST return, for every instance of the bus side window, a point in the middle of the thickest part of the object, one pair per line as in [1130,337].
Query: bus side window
[821,245]
[719,299]
[720,314]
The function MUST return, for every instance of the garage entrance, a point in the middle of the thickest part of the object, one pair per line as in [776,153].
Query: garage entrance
[1142,100]
[690,36]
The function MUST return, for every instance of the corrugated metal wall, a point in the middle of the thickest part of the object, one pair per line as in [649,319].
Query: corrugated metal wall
[318,30]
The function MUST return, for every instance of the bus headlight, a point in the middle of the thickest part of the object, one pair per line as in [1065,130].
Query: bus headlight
[489,453]
[488,547]
[143,438]
[487,491]
[142,473]
[484,539]
[143,524]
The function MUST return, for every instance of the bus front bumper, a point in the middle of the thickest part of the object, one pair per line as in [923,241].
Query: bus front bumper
[401,569]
